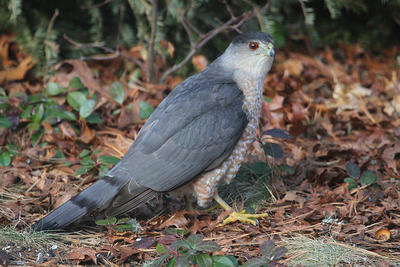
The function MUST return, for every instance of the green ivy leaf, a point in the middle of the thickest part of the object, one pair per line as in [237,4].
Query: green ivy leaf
[94,118]
[353,170]
[27,113]
[33,126]
[75,83]
[76,99]
[369,177]
[103,170]
[38,112]
[117,92]
[5,159]
[352,183]
[208,246]
[84,153]
[160,261]
[83,169]
[194,240]
[54,89]
[260,168]
[203,260]
[255,262]
[87,161]
[224,261]
[108,160]
[161,249]
[5,122]
[87,108]
[145,110]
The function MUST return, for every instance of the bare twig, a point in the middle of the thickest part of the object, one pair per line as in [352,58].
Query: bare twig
[49,29]
[233,23]
[113,53]
[105,2]
[150,63]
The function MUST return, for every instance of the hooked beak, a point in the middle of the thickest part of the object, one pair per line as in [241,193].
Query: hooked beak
[271,52]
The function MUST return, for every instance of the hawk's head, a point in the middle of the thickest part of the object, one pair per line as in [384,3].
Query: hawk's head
[250,54]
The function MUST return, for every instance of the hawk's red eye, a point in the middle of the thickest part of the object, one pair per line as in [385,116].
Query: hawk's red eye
[253,45]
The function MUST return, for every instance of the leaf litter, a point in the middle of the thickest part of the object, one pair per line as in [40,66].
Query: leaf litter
[341,107]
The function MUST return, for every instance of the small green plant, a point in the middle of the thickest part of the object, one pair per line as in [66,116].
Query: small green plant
[193,250]
[101,163]
[121,225]
[6,154]
[270,254]
[368,177]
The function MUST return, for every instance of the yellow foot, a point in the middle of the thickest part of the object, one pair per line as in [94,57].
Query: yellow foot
[244,217]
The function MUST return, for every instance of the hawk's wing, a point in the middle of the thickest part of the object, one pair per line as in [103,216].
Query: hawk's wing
[197,124]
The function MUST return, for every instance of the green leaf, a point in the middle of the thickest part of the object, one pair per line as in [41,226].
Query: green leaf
[260,168]
[161,248]
[145,110]
[117,92]
[36,136]
[94,118]
[87,161]
[38,113]
[160,261]
[273,149]
[76,99]
[5,122]
[224,261]
[27,113]
[5,159]
[103,170]
[172,262]
[353,170]
[54,89]
[107,221]
[75,83]
[352,183]
[208,246]
[194,240]
[108,160]
[203,260]
[84,153]
[83,169]
[87,108]
[369,177]
[33,126]
[255,262]
[184,260]
[13,149]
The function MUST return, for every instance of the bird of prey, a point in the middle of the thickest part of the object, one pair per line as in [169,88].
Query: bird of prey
[196,139]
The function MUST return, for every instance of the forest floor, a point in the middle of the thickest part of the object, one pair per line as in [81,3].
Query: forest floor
[332,192]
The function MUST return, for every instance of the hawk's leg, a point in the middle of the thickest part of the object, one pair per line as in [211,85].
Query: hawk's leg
[241,216]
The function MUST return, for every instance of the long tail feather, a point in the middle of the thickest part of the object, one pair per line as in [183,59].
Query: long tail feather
[97,196]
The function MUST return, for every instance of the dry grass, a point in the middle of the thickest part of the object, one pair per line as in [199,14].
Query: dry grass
[325,251]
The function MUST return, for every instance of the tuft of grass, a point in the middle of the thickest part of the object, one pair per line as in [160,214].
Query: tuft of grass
[305,251]
[29,238]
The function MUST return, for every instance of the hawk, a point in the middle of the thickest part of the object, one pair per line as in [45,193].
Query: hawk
[196,139]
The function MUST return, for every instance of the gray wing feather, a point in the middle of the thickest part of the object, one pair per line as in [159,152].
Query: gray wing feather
[197,124]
